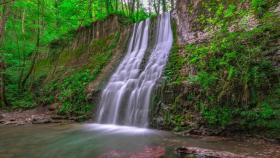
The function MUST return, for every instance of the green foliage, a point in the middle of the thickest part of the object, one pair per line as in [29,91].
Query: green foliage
[233,56]
[72,93]
[230,11]
[69,90]
[236,77]
[204,79]
[172,71]
[234,81]
[34,26]
[217,116]
[261,6]
[219,14]
[258,5]
[176,61]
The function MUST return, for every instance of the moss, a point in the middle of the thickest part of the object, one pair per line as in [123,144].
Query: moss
[235,81]
[72,71]
[175,62]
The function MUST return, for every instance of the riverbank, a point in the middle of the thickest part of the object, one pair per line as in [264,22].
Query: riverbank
[40,115]
[44,115]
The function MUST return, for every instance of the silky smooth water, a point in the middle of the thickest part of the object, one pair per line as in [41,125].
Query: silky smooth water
[126,98]
[110,141]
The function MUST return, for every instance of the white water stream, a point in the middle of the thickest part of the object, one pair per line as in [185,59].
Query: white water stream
[126,98]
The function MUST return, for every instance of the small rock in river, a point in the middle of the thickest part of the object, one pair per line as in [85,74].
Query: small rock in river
[40,119]
[196,152]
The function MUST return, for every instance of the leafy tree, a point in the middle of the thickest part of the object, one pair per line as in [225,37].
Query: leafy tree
[27,27]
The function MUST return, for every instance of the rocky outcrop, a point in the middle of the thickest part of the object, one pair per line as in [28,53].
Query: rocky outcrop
[36,116]
[94,88]
[186,16]
[97,30]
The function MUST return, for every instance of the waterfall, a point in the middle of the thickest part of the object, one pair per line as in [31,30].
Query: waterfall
[126,98]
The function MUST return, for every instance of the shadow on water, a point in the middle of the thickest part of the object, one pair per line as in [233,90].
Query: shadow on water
[102,141]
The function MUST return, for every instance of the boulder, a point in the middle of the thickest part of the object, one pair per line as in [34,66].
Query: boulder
[197,152]
[53,107]
[37,119]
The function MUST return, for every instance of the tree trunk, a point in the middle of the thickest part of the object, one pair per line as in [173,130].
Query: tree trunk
[3,98]
[4,16]
[164,8]
[156,6]
[23,59]
[90,9]
[117,5]
[57,12]
[36,51]
[172,5]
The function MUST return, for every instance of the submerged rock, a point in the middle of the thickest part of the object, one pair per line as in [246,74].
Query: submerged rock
[148,152]
[195,152]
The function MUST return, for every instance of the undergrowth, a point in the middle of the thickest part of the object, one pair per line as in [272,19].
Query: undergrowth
[68,91]
[237,82]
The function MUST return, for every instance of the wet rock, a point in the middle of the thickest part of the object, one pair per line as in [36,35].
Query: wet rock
[93,95]
[53,107]
[277,9]
[40,119]
[148,152]
[277,141]
[58,117]
[194,132]
[195,152]
[79,118]
[183,152]
[20,123]
[9,123]
[12,119]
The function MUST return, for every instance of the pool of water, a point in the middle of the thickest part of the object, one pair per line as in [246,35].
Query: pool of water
[102,141]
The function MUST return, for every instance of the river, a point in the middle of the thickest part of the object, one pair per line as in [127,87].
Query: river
[105,141]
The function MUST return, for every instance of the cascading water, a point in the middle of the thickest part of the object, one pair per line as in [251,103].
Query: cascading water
[126,98]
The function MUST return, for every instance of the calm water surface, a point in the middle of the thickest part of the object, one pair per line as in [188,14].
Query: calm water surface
[99,141]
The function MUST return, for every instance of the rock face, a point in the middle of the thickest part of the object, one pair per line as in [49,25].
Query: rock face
[95,87]
[277,9]
[97,30]
[186,16]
